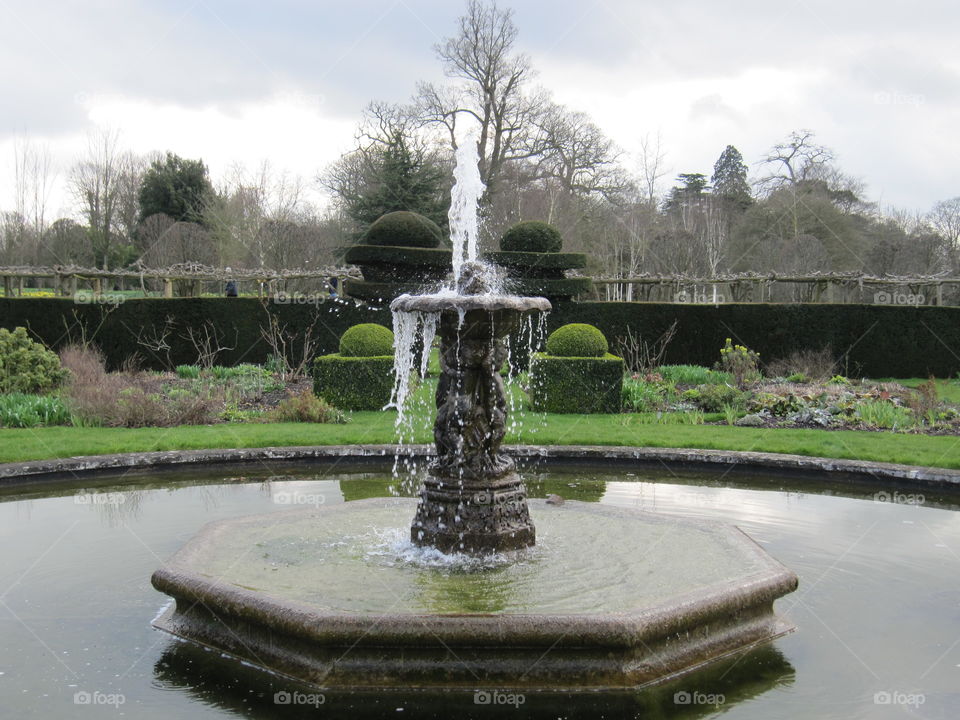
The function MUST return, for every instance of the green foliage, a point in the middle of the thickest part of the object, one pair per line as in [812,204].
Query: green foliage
[18,410]
[27,366]
[188,372]
[838,380]
[404,229]
[796,378]
[713,398]
[692,375]
[176,187]
[884,414]
[532,236]
[393,176]
[730,414]
[307,407]
[576,384]
[641,396]
[354,383]
[577,340]
[741,362]
[367,340]
[730,177]
[774,404]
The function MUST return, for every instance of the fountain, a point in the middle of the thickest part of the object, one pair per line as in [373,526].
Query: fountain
[610,598]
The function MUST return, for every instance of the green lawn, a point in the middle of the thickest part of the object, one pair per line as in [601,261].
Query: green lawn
[377,427]
[949,390]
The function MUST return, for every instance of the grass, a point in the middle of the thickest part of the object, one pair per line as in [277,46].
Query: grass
[377,427]
[27,411]
[949,390]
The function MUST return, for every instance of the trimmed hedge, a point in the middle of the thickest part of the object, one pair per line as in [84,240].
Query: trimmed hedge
[404,228]
[576,385]
[367,340]
[532,236]
[544,261]
[551,288]
[238,321]
[353,383]
[577,340]
[870,340]
[876,340]
[417,257]
[381,293]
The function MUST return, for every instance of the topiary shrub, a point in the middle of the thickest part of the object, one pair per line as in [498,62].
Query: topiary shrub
[27,366]
[577,340]
[367,340]
[532,236]
[404,229]
[353,383]
[576,384]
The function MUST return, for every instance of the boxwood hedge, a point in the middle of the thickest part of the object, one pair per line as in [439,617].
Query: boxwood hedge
[576,385]
[354,383]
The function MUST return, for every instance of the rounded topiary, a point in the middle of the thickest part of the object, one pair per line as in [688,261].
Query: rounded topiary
[404,229]
[532,236]
[27,366]
[367,340]
[577,340]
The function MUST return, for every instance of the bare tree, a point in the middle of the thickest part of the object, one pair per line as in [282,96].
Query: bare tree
[96,183]
[797,159]
[491,89]
[945,219]
[652,167]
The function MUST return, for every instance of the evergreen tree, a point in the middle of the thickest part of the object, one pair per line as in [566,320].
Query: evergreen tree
[398,179]
[730,177]
[694,186]
[176,187]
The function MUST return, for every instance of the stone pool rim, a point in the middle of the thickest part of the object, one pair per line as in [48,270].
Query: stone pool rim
[595,456]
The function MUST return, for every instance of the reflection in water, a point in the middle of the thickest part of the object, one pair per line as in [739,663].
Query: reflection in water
[250,693]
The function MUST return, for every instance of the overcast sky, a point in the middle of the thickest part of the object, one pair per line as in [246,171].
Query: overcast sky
[286,80]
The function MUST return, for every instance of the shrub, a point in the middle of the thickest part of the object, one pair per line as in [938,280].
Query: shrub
[714,398]
[307,407]
[404,229]
[576,384]
[27,366]
[367,340]
[577,340]
[18,410]
[532,236]
[741,362]
[353,383]
[693,375]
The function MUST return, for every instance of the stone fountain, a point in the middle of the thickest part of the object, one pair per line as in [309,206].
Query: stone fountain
[472,501]
[341,596]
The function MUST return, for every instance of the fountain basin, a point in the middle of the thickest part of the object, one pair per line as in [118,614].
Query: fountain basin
[339,597]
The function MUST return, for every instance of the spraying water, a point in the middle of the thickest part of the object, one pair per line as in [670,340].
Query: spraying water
[464,199]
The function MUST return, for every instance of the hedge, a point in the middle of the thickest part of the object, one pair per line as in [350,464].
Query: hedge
[115,329]
[564,288]
[543,261]
[354,383]
[869,340]
[874,340]
[576,385]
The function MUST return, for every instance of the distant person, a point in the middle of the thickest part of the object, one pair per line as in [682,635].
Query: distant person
[333,287]
[231,289]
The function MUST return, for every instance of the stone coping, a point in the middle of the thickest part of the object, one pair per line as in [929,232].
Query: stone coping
[439,303]
[59,470]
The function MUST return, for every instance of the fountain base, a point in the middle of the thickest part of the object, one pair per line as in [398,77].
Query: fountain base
[609,598]
[456,516]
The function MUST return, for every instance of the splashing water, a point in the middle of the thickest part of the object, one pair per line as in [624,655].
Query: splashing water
[464,199]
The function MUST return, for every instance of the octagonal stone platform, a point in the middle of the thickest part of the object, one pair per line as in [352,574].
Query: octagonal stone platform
[338,597]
